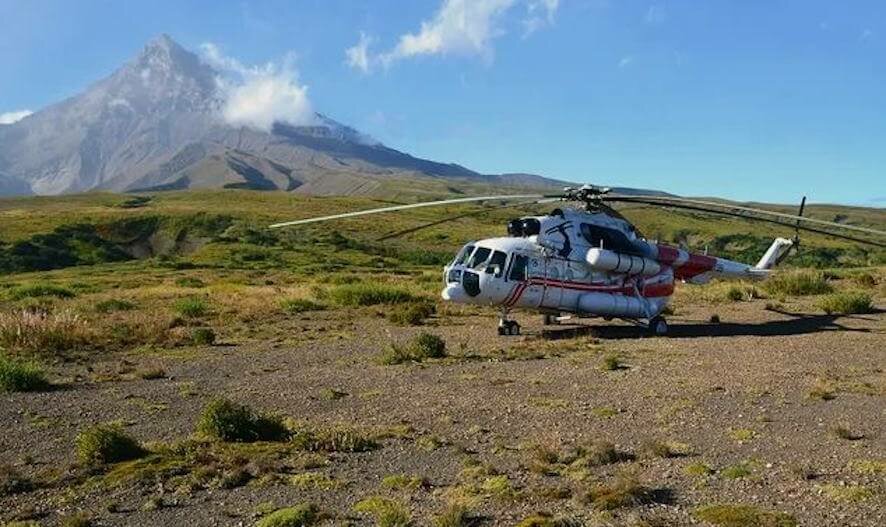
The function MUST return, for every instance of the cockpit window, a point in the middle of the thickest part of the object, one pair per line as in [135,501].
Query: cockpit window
[479,257]
[463,254]
[497,262]
[518,268]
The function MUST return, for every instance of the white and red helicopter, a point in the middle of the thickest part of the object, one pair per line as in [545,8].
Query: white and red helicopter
[592,262]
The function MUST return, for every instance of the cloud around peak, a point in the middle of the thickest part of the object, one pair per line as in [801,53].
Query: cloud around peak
[14,117]
[459,27]
[259,96]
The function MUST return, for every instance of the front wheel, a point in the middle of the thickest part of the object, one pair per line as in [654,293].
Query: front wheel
[658,326]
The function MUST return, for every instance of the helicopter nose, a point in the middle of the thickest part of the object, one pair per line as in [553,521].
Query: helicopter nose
[454,293]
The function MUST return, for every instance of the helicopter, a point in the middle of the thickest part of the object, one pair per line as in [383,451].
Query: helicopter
[590,261]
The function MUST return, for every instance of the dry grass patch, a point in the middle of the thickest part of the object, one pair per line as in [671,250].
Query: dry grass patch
[385,511]
[41,333]
[849,493]
[743,516]
[846,303]
[797,283]
[625,490]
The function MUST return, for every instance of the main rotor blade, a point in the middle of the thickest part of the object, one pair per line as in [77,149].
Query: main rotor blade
[405,207]
[671,201]
[742,212]
[410,230]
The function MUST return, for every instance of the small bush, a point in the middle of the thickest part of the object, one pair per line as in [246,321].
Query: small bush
[302,515]
[150,374]
[106,443]
[666,449]
[385,511]
[624,491]
[737,471]
[189,281]
[453,516]
[313,481]
[39,291]
[611,362]
[849,492]
[79,519]
[334,440]
[844,432]
[11,482]
[191,307]
[412,314]
[595,453]
[294,306]
[698,469]
[424,346]
[203,336]
[19,376]
[113,305]
[402,482]
[798,283]
[743,516]
[228,421]
[362,294]
[846,303]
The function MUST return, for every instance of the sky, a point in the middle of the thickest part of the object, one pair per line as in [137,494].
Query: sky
[763,100]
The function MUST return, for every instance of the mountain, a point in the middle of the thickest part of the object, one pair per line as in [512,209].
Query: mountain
[156,123]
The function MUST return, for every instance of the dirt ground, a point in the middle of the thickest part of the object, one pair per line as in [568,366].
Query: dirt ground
[745,392]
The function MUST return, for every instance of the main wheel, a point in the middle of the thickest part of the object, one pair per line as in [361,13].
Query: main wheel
[512,328]
[658,326]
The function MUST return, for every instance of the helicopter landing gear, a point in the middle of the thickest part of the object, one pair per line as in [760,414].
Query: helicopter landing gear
[658,326]
[550,320]
[507,327]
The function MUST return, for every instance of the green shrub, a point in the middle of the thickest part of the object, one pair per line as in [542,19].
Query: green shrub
[191,307]
[40,290]
[743,516]
[228,421]
[797,283]
[846,303]
[624,491]
[299,516]
[611,362]
[189,281]
[294,306]
[113,305]
[362,294]
[106,443]
[20,376]
[454,516]
[424,346]
[411,314]
[79,519]
[203,336]
[387,512]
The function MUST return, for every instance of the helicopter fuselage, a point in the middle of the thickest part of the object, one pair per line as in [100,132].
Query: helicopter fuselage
[582,263]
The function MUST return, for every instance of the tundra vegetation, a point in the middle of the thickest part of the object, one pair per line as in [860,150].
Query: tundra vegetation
[172,357]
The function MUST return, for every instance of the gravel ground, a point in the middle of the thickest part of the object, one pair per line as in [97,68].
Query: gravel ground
[737,392]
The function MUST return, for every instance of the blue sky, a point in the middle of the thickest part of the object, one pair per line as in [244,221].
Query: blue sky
[748,99]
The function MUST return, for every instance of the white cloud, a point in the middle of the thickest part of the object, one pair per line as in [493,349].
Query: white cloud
[259,96]
[14,117]
[625,61]
[539,14]
[358,55]
[459,27]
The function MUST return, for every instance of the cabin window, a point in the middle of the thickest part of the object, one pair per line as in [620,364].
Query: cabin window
[497,263]
[518,268]
[479,257]
[463,254]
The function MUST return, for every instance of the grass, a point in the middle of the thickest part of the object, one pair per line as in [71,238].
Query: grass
[12,482]
[313,481]
[228,421]
[106,443]
[402,482]
[411,314]
[203,336]
[336,439]
[362,294]
[150,374]
[191,307]
[743,516]
[80,519]
[423,346]
[190,281]
[21,376]
[846,303]
[868,466]
[797,283]
[698,469]
[303,515]
[742,434]
[40,291]
[612,362]
[663,449]
[39,333]
[453,516]
[737,471]
[114,305]
[385,511]
[294,306]
[847,493]
[624,490]
[844,432]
